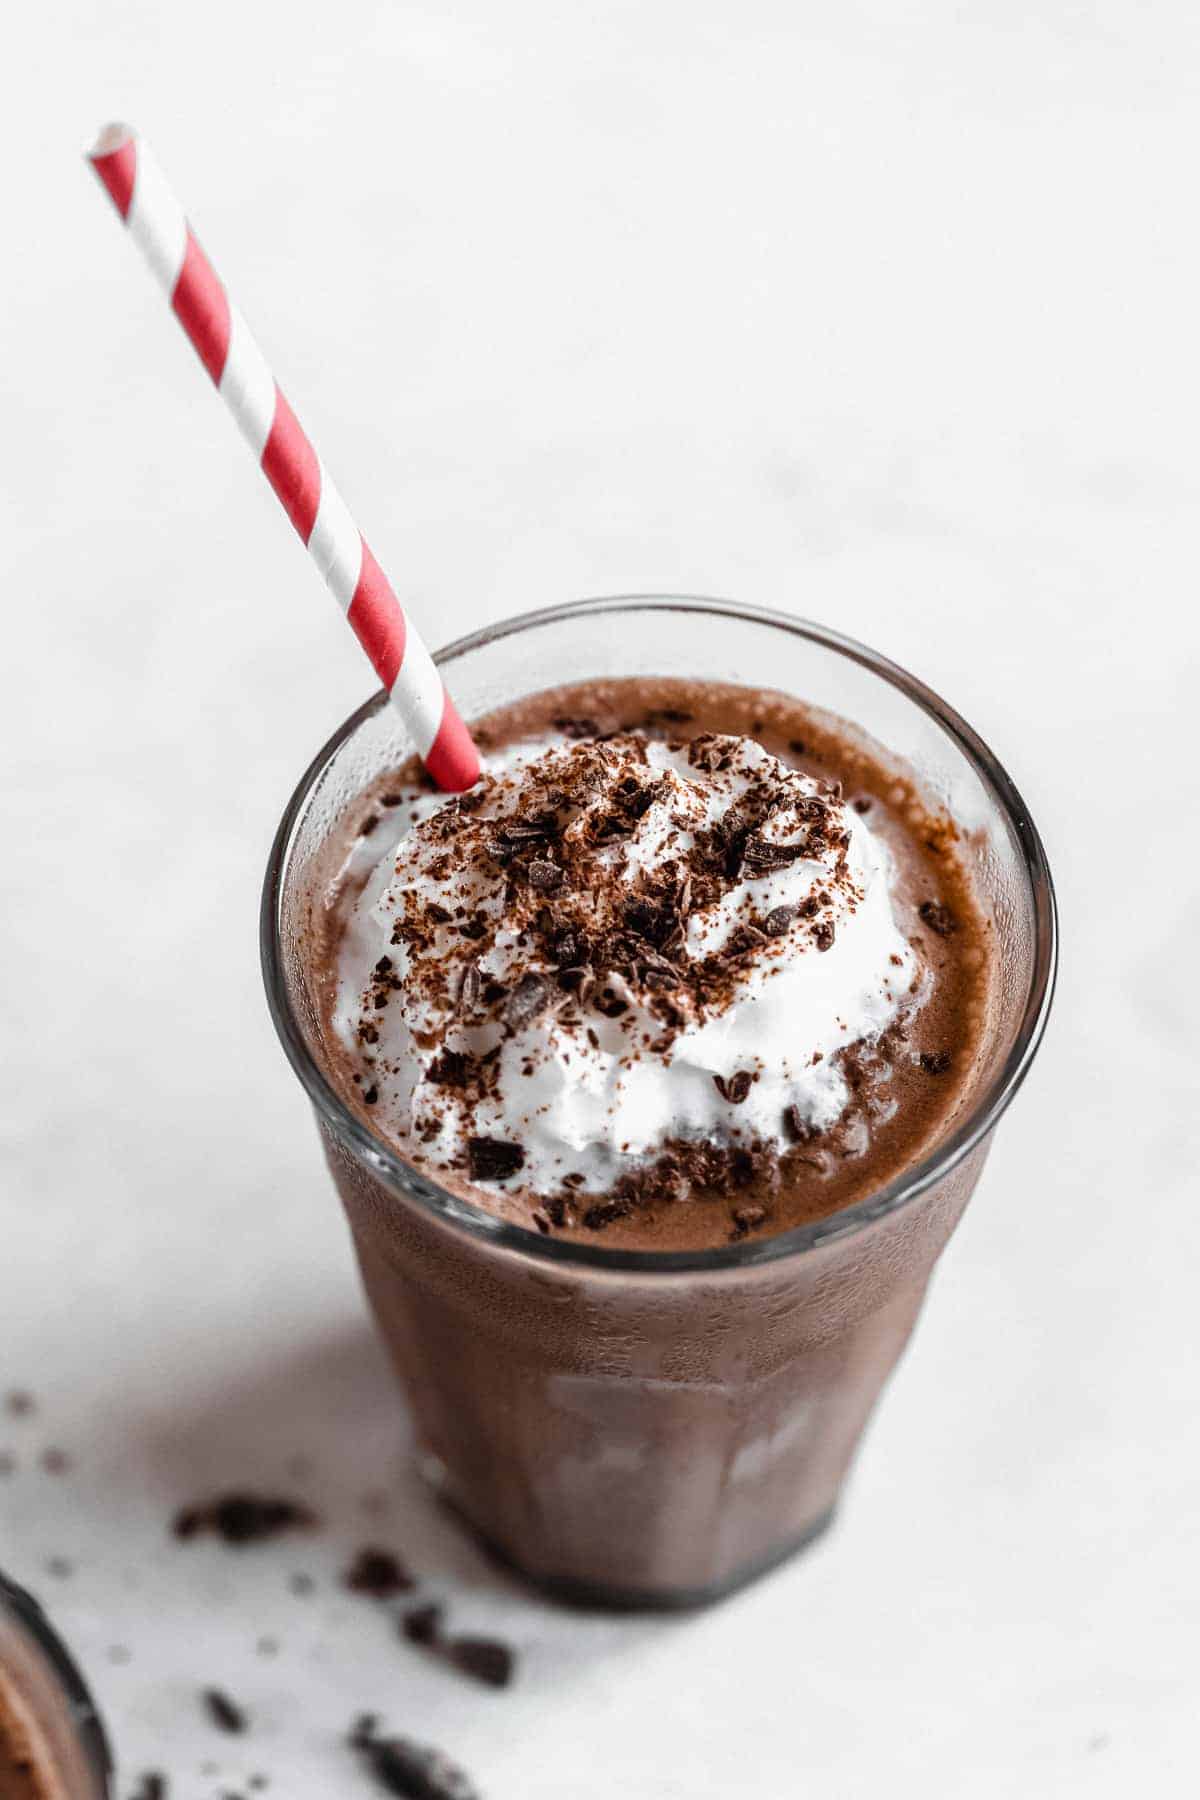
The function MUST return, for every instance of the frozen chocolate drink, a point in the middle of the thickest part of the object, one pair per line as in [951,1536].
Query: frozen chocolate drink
[52,1746]
[655,1071]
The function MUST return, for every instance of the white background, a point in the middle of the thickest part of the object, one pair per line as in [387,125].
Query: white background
[882,314]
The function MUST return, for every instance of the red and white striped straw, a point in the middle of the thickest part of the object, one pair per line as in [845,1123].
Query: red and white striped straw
[224,345]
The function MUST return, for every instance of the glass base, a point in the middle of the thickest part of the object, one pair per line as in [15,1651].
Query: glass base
[567,1590]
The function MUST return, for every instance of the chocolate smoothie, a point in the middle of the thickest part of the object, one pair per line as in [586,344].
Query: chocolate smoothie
[713,928]
[52,1745]
[24,1773]
[655,1072]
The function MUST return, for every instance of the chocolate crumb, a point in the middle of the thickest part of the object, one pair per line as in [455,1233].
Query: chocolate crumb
[938,917]
[545,876]
[416,1772]
[797,746]
[472,986]
[745,1219]
[778,920]
[605,1213]
[422,1624]
[796,1126]
[370,1095]
[736,1088]
[484,1659]
[862,805]
[368,825]
[823,935]
[152,1786]
[450,1069]
[378,1574]
[490,1159]
[762,856]
[935,1062]
[529,998]
[225,1713]
[243,1518]
[363,1732]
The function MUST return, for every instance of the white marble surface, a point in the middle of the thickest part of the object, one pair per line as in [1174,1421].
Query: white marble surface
[886,315]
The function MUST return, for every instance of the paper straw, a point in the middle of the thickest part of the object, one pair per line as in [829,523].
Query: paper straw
[222,340]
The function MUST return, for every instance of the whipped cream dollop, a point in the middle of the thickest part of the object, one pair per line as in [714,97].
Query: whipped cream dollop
[610,946]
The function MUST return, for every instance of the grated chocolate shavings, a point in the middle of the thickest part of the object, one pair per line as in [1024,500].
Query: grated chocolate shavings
[736,1088]
[938,917]
[490,1159]
[528,1000]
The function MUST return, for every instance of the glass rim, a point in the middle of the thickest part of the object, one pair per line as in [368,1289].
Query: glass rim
[452,1209]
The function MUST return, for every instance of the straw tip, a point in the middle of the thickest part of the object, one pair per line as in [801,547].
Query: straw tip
[110,139]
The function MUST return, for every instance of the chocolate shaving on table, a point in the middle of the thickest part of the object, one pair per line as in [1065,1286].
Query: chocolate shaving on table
[484,1659]
[413,1771]
[241,1518]
[378,1574]
[152,1785]
[225,1713]
[422,1624]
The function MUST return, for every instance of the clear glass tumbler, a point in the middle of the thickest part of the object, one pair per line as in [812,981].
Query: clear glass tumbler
[655,1428]
[52,1742]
